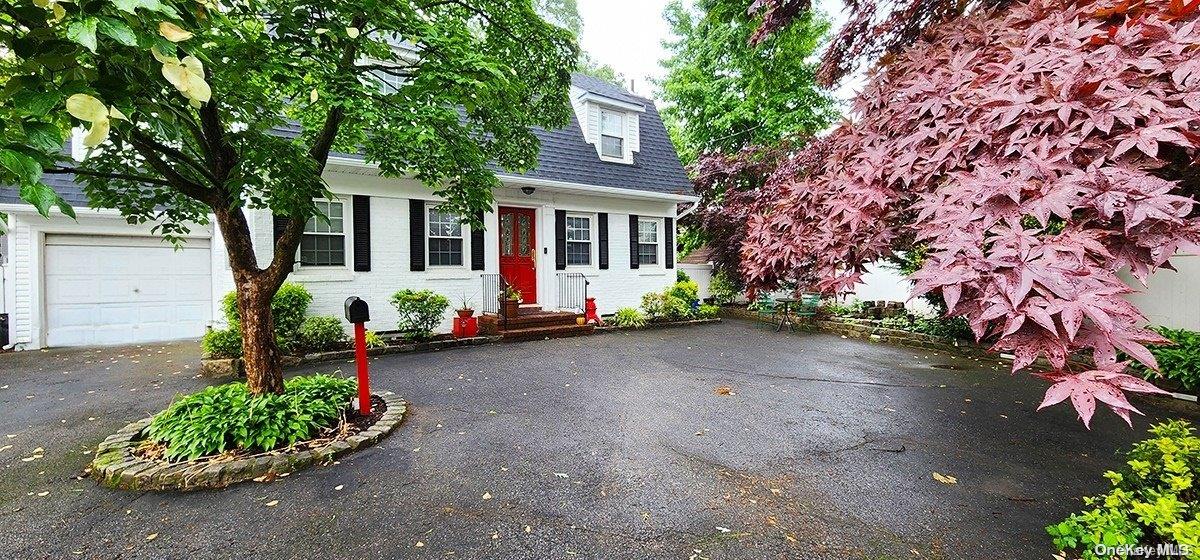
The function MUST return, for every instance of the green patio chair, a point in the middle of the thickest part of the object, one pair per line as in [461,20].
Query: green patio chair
[765,305]
[808,305]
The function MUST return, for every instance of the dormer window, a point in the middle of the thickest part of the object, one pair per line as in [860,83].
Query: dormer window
[612,134]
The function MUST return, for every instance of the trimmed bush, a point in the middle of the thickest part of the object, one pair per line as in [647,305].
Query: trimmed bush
[226,417]
[288,307]
[319,334]
[628,317]
[668,305]
[681,276]
[420,312]
[686,290]
[723,289]
[1153,499]
[222,344]
[708,311]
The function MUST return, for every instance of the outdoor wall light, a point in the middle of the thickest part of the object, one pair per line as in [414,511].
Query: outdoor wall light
[527,190]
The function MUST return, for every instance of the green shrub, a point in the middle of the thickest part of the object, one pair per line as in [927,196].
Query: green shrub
[1153,499]
[708,311]
[1179,362]
[723,289]
[898,322]
[664,306]
[226,417]
[222,344]
[686,290]
[681,276]
[629,317]
[319,334]
[945,327]
[373,340]
[288,307]
[420,312]
[835,308]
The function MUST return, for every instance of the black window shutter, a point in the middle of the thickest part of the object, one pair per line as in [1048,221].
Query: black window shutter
[416,235]
[477,261]
[560,239]
[633,241]
[362,233]
[669,245]
[602,235]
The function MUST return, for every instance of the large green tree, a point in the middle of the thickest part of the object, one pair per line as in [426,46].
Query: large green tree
[722,94]
[182,100]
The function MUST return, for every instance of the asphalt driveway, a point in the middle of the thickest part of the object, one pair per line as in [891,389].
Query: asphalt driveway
[615,446]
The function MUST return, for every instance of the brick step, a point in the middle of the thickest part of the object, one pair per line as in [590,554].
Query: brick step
[540,319]
[539,333]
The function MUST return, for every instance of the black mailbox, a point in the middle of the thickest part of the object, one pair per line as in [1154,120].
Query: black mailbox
[356,310]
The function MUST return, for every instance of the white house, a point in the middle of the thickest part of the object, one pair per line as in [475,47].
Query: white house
[599,210]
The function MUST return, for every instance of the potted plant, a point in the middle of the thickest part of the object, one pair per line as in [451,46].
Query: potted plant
[465,310]
[510,301]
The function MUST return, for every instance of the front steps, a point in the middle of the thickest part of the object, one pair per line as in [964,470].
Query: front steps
[532,323]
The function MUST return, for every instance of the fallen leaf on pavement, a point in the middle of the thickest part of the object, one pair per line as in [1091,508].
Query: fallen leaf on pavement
[487,495]
[944,479]
[723,390]
[272,503]
[151,536]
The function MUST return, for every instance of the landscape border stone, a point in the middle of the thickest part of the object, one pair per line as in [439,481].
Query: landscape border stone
[117,466]
[227,368]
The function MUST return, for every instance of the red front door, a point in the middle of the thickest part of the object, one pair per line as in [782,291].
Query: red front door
[518,251]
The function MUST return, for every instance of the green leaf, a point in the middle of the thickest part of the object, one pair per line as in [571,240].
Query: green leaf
[118,31]
[131,6]
[83,32]
[34,102]
[44,136]
[27,169]
[42,197]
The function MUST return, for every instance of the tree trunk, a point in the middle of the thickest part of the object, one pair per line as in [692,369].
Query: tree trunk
[255,289]
[260,353]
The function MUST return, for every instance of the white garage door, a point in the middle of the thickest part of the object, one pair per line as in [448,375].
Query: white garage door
[120,290]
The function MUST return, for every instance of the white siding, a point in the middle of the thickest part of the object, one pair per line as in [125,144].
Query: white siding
[882,282]
[1172,299]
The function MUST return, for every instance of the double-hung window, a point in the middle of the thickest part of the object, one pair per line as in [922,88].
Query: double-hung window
[612,134]
[324,241]
[647,241]
[445,239]
[579,240]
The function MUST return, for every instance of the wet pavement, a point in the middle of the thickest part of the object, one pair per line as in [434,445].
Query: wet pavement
[616,446]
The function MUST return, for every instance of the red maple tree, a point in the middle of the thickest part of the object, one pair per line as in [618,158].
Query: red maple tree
[1038,149]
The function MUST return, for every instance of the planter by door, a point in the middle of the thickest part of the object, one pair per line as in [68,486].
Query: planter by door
[510,308]
[518,250]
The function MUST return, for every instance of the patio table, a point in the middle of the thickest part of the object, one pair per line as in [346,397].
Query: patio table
[785,315]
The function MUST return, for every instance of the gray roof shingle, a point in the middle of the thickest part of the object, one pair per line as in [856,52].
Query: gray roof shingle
[565,155]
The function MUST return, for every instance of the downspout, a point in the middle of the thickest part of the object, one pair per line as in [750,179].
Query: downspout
[692,208]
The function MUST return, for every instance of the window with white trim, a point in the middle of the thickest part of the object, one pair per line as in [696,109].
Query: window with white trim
[445,239]
[647,241]
[612,134]
[324,241]
[579,240]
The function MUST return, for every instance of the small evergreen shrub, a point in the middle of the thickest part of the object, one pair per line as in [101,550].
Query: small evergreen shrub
[420,312]
[708,311]
[681,276]
[686,290]
[288,307]
[373,340]
[1179,362]
[222,344]
[628,317]
[676,303]
[1153,499]
[723,289]
[319,334]
[226,417]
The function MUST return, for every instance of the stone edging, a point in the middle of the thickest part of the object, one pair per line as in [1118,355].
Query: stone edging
[650,326]
[231,367]
[116,466]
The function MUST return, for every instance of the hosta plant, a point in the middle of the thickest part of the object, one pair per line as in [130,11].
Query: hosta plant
[1036,150]
[229,418]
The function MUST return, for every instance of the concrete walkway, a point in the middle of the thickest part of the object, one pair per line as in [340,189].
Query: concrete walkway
[617,446]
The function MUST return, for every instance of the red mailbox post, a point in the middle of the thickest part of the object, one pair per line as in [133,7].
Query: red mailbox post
[358,314]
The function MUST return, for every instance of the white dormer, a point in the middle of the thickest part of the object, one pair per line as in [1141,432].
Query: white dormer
[610,125]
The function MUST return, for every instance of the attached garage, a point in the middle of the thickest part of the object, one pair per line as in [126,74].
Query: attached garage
[112,289]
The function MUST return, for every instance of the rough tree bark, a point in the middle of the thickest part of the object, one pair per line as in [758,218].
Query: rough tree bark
[255,287]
